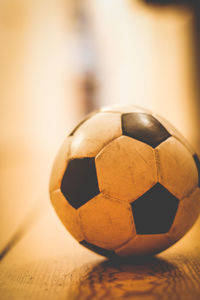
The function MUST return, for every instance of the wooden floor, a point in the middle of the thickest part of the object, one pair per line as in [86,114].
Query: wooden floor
[40,260]
[59,268]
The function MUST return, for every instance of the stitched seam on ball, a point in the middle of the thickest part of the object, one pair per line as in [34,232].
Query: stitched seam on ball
[81,224]
[160,175]
[187,210]
[124,203]
[157,161]
[189,193]
[124,244]
[130,200]
[97,241]
[193,192]
[74,156]
[127,205]
[115,138]
[171,130]
[114,198]
[96,157]
[71,156]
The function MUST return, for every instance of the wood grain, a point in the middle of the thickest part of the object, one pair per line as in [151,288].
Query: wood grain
[49,264]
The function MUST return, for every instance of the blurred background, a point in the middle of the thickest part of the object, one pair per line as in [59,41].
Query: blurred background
[60,59]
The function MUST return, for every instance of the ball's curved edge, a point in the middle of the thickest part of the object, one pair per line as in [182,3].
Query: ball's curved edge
[84,119]
[59,165]
[98,250]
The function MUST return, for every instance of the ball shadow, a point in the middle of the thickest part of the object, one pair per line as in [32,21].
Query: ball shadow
[126,279]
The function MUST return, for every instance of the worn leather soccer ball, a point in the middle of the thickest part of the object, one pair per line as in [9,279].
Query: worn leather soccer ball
[126,183]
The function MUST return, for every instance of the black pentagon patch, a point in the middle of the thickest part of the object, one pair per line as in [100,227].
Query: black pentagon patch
[98,250]
[154,211]
[83,121]
[145,128]
[197,161]
[79,183]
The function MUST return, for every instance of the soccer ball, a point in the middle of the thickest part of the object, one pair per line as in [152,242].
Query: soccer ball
[126,183]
